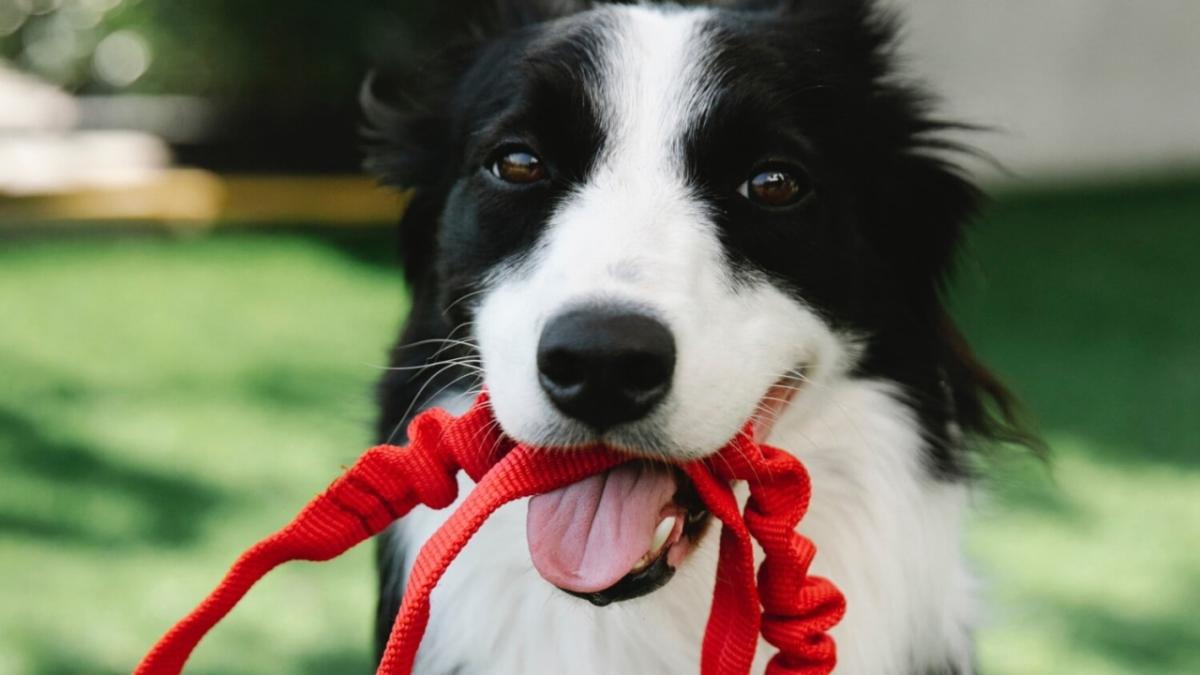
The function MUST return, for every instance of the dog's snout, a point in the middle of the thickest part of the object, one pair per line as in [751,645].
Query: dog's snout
[605,366]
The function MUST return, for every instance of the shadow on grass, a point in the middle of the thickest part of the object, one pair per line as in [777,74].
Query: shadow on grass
[346,661]
[293,386]
[171,507]
[1162,644]
[60,662]
[1084,301]
[56,659]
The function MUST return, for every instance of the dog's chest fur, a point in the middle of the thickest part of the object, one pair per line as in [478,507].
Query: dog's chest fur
[886,532]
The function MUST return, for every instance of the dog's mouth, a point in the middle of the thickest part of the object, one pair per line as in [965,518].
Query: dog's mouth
[617,535]
[622,534]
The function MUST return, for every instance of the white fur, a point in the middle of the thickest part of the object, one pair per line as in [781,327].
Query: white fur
[887,534]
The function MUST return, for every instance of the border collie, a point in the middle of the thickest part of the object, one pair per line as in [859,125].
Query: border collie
[645,225]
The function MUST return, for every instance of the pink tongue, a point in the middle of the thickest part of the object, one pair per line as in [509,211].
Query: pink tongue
[586,536]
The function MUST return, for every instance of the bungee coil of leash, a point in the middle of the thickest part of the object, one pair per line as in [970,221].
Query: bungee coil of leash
[792,610]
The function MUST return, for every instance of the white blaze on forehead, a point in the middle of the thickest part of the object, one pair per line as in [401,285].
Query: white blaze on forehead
[654,86]
[636,213]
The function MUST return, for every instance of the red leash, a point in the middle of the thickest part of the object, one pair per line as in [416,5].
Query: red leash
[793,610]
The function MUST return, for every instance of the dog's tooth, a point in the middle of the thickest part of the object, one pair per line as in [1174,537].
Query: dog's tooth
[662,533]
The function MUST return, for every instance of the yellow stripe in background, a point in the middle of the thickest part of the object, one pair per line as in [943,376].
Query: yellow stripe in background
[192,198]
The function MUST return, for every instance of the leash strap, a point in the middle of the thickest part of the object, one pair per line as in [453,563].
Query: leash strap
[795,613]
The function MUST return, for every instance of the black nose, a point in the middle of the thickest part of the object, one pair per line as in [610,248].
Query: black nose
[606,366]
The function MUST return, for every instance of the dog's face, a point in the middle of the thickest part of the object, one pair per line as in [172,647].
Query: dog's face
[662,224]
[642,201]
[696,173]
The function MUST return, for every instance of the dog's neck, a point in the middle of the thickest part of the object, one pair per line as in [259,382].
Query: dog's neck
[887,532]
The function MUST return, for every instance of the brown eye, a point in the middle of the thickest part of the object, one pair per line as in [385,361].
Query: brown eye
[777,187]
[518,166]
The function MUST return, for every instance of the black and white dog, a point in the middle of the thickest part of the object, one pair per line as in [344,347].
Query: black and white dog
[646,225]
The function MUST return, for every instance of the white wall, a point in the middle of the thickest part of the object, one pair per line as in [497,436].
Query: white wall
[1078,88]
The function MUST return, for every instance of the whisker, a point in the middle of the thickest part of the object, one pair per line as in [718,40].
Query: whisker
[462,361]
[465,296]
[744,434]
[448,385]
[417,398]
[449,344]
[422,343]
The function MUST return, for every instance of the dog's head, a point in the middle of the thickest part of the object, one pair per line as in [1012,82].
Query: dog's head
[661,222]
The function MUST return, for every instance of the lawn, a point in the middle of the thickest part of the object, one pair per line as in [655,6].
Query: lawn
[164,401]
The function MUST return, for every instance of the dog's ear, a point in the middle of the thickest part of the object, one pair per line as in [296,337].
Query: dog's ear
[404,130]
[406,100]
[406,145]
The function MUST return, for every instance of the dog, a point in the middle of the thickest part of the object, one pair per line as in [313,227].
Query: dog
[647,225]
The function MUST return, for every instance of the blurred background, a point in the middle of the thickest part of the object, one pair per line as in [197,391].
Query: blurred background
[197,288]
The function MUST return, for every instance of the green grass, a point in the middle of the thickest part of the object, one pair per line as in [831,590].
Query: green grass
[164,402]
[1089,303]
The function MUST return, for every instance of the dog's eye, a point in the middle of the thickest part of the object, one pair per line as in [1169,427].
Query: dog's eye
[518,166]
[777,186]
